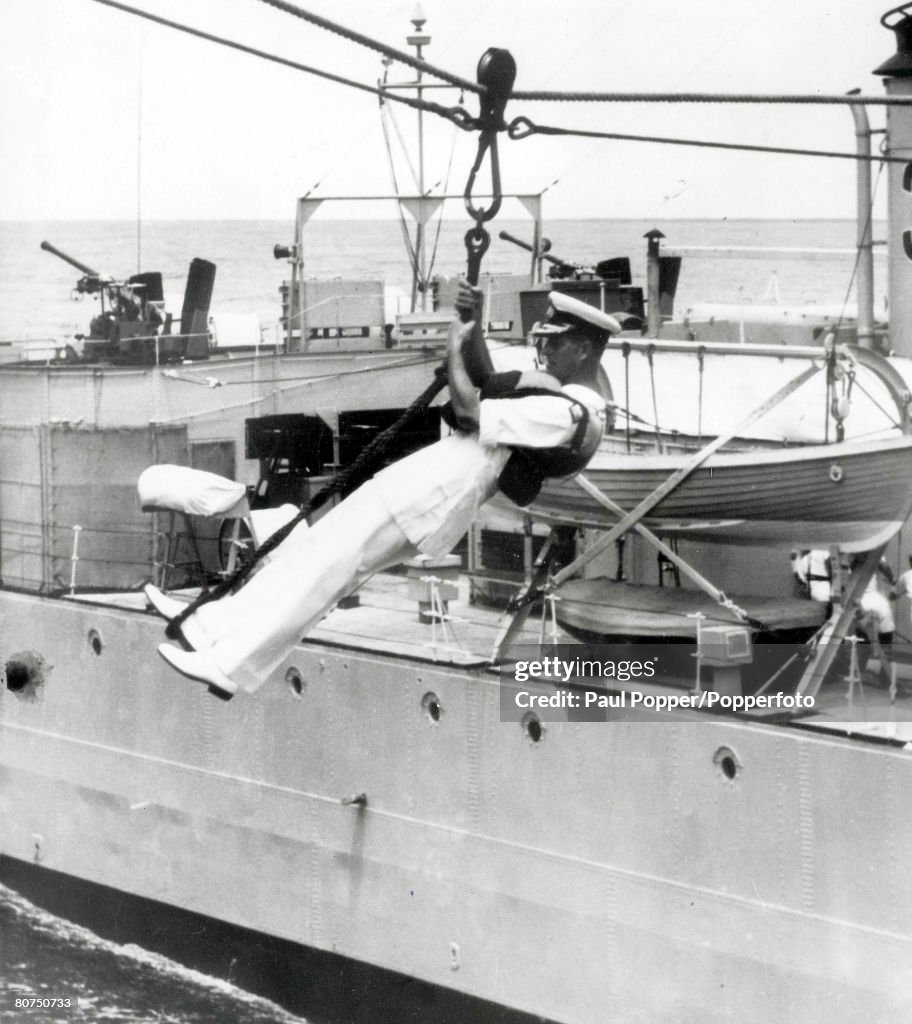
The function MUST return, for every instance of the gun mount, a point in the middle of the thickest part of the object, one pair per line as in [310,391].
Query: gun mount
[607,285]
[132,327]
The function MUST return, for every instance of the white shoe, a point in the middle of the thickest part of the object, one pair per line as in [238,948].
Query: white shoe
[169,608]
[166,606]
[199,666]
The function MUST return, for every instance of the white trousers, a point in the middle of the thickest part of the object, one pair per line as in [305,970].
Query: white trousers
[253,630]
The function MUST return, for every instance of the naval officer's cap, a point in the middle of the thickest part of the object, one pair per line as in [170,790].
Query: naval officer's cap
[565,314]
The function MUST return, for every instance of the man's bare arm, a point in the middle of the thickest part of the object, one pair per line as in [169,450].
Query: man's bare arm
[463,393]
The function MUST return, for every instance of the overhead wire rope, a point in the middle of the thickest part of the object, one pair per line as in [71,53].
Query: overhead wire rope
[466,84]
[721,44]
[520,127]
[373,44]
[427,105]
[572,96]
[523,127]
[776,99]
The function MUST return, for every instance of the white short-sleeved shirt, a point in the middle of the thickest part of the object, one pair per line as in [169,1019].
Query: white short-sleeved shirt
[434,495]
[539,421]
[813,569]
[903,586]
[873,603]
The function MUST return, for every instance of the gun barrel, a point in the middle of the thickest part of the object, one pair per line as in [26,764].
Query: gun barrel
[69,259]
[507,237]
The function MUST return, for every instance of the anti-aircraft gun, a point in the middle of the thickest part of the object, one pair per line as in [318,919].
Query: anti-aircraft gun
[608,284]
[132,327]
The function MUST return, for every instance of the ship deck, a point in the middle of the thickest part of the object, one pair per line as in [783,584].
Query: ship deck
[385,620]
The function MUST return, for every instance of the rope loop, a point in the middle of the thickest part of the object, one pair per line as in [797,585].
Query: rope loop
[461,118]
[521,128]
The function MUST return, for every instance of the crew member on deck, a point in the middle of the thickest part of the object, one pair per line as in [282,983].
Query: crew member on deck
[903,586]
[814,571]
[874,623]
[506,436]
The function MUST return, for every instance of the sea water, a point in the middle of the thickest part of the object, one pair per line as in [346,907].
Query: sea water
[41,955]
[45,958]
[38,288]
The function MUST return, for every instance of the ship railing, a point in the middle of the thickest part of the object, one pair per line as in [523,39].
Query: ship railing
[29,548]
[762,251]
[32,350]
[159,338]
[849,358]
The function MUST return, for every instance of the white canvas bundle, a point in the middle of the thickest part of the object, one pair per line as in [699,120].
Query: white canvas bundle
[193,491]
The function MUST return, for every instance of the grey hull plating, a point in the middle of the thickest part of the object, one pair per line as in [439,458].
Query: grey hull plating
[606,872]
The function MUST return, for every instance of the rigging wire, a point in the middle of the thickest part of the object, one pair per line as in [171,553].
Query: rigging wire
[185,376]
[523,127]
[869,217]
[446,184]
[584,97]
[458,115]
[403,227]
[388,112]
[684,74]
[890,419]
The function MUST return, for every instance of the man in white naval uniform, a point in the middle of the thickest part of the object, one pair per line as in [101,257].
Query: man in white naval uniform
[423,503]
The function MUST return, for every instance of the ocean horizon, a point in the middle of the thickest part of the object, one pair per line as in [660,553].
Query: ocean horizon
[38,286]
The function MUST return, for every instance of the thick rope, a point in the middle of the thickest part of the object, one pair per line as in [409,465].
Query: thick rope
[523,127]
[458,115]
[709,97]
[373,44]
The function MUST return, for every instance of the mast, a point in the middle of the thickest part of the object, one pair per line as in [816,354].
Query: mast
[419,41]
[864,234]
[897,73]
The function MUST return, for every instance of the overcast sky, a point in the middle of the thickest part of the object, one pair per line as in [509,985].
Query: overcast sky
[103,115]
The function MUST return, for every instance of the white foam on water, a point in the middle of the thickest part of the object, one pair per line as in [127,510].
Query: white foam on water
[66,932]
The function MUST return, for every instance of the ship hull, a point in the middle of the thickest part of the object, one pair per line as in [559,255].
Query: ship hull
[310,983]
[649,894]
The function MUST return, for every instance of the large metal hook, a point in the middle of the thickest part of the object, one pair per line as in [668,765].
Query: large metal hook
[497,73]
[487,142]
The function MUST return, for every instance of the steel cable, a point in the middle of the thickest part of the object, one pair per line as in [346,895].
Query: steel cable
[522,127]
[457,115]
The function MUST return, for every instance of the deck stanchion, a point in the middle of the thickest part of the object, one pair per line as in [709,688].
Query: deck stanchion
[74,558]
